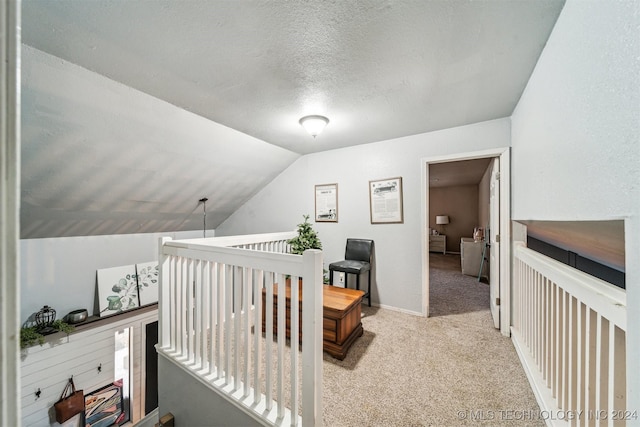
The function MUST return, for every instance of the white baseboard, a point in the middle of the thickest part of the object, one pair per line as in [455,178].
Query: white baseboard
[400,310]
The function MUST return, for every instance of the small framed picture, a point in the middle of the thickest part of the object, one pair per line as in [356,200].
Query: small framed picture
[385,201]
[326,203]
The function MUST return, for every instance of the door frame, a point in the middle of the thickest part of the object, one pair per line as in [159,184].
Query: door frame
[10,363]
[505,226]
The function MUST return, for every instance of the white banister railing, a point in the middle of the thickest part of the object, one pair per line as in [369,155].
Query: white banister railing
[569,329]
[211,322]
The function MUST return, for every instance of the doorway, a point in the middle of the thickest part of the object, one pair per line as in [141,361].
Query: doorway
[459,210]
[500,231]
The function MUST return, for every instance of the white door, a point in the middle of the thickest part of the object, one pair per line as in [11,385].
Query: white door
[494,241]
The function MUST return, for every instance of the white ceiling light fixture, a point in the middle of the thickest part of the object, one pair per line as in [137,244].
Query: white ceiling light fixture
[314,124]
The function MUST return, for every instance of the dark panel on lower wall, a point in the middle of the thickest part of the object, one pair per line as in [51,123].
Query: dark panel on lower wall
[549,250]
[151,363]
[578,262]
[601,271]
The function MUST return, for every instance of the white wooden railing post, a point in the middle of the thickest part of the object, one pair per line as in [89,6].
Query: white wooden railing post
[312,327]
[163,294]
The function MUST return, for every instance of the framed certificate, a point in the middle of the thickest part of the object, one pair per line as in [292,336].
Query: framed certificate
[327,203]
[385,201]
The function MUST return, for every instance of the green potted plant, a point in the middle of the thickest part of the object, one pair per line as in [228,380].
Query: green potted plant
[32,335]
[29,336]
[307,238]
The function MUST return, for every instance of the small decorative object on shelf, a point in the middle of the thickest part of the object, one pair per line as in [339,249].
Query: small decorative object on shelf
[45,318]
[45,324]
[478,234]
[76,316]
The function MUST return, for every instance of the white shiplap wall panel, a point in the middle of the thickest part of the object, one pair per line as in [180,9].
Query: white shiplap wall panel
[82,353]
[48,367]
[83,362]
[83,374]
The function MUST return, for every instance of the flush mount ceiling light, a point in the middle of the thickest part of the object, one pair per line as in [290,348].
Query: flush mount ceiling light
[314,124]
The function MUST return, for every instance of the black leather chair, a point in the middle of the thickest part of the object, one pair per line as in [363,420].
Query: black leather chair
[357,260]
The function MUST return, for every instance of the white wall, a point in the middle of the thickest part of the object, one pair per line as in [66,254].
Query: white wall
[576,135]
[575,130]
[194,404]
[281,204]
[61,272]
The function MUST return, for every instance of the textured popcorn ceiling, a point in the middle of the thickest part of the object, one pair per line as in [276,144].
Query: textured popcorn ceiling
[377,69]
[105,151]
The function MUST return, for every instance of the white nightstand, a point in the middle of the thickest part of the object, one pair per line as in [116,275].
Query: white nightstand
[438,243]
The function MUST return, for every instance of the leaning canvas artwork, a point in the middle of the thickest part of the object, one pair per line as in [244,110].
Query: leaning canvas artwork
[147,282]
[117,289]
[103,407]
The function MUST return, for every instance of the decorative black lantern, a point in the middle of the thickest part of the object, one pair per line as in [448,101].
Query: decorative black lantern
[45,317]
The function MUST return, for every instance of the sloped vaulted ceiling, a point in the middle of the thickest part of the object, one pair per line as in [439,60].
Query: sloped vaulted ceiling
[133,110]
[99,157]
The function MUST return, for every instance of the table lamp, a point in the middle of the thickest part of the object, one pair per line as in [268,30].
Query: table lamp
[442,220]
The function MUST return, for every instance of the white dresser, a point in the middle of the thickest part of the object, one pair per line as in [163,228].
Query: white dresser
[438,243]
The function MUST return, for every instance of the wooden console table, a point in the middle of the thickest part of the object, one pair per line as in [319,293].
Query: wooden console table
[341,312]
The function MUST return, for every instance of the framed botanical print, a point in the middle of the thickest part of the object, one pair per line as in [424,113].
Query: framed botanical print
[147,274]
[117,289]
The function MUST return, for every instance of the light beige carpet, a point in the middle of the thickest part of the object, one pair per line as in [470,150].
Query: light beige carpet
[450,369]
